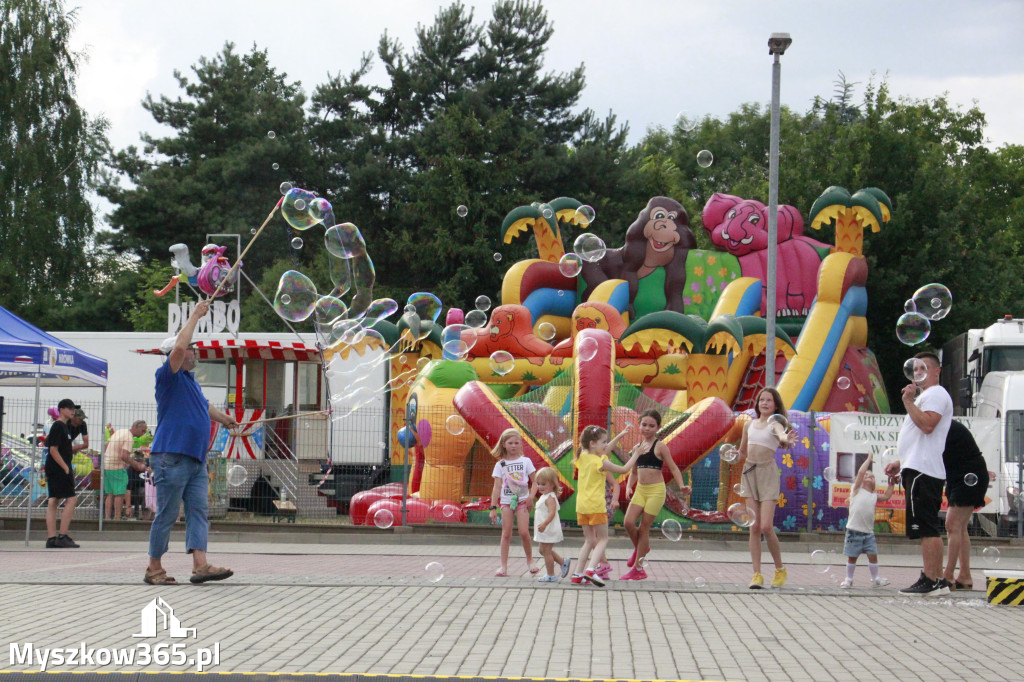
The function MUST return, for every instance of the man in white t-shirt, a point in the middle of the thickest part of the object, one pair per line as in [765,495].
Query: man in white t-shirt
[921,443]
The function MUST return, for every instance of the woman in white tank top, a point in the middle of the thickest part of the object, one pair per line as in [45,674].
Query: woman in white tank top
[761,480]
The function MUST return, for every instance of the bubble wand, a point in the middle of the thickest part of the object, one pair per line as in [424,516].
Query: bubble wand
[224,280]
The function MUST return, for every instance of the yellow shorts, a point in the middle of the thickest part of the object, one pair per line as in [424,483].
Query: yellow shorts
[592,519]
[650,496]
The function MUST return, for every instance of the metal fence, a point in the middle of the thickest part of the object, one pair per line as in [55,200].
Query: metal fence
[304,470]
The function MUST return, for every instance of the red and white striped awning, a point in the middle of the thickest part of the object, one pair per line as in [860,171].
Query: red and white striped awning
[252,350]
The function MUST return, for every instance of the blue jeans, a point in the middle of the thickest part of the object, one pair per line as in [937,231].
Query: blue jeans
[179,478]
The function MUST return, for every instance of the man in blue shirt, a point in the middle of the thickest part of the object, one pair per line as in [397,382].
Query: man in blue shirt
[178,456]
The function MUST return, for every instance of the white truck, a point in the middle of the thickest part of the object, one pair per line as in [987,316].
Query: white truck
[983,370]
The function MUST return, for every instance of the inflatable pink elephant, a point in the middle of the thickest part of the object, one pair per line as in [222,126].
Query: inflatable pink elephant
[740,226]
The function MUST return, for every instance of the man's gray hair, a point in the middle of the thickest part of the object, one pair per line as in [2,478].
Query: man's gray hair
[138,422]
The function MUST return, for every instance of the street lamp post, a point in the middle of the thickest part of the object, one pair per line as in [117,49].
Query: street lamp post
[777,44]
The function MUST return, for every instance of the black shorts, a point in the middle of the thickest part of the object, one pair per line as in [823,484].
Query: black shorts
[959,494]
[58,483]
[924,498]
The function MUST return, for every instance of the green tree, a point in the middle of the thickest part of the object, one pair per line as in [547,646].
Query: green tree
[467,117]
[215,174]
[50,155]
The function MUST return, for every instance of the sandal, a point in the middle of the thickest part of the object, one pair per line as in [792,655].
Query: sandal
[963,586]
[207,572]
[501,573]
[534,570]
[158,578]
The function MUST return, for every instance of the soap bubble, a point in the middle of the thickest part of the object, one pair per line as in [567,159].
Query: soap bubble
[434,571]
[820,561]
[455,424]
[483,303]
[889,455]
[345,241]
[237,475]
[991,554]
[729,453]
[454,332]
[502,362]
[700,582]
[285,188]
[584,215]
[476,319]
[738,489]
[686,121]
[589,247]
[546,211]
[915,370]
[697,555]
[293,209]
[843,383]
[456,348]
[672,530]
[275,166]
[909,306]
[971,479]
[912,328]
[778,424]
[271,134]
[497,257]
[933,301]
[829,474]
[462,210]
[383,518]
[741,515]
[705,158]
[252,231]
[320,209]
[296,296]
[427,306]
[451,511]
[546,331]
[297,243]
[588,350]
[570,265]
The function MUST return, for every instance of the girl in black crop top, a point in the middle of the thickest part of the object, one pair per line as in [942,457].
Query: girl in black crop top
[646,490]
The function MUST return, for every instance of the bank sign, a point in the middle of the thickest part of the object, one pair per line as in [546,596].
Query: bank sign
[855,434]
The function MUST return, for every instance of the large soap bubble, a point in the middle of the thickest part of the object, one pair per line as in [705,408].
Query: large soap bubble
[502,362]
[589,247]
[296,296]
[476,318]
[434,571]
[570,265]
[672,530]
[705,158]
[237,475]
[483,303]
[915,370]
[741,515]
[345,241]
[546,331]
[295,208]
[934,301]
[427,305]
[912,328]
[383,518]
[584,216]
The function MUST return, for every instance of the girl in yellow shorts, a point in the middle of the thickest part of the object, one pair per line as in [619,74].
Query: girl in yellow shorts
[594,467]
[651,456]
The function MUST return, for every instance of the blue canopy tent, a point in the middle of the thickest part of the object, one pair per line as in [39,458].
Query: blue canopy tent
[31,357]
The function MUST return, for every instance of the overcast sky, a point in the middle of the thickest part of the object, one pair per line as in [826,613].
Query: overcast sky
[645,60]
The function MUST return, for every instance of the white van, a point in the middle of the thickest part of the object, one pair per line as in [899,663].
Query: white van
[1002,397]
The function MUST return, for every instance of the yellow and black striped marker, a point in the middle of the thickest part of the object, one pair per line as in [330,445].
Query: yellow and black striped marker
[1007,591]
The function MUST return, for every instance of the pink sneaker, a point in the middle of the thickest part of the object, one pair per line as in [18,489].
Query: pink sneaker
[604,570]
[632,559]
[631,574]
[641,574]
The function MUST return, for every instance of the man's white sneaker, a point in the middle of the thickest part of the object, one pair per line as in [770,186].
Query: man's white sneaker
[846,584]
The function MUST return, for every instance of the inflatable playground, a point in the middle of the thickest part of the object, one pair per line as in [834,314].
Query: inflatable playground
[595,334]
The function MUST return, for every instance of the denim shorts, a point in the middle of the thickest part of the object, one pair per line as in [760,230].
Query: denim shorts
[858,543]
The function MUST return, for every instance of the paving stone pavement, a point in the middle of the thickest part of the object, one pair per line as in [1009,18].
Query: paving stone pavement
[370,608]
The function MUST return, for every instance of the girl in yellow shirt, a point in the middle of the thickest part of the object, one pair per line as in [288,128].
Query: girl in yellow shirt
[594,468]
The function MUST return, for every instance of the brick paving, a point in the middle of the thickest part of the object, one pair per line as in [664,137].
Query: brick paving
[370,608]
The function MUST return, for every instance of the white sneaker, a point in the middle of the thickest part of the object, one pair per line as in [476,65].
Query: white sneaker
[846,584]
[879,582]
